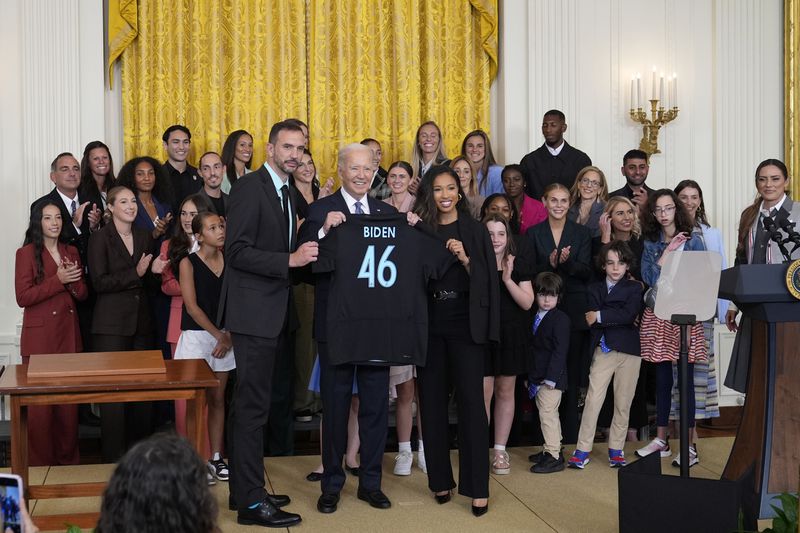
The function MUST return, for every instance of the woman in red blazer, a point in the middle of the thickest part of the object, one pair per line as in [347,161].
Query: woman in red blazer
[48,279]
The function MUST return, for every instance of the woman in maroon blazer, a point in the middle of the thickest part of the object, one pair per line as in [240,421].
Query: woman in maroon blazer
[48,278]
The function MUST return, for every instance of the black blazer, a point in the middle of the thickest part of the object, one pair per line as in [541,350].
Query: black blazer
[484,291]
[575,272]
[543,168]
[121,296]
[619,309]
[255,297]
[309,231]
[68,233]
[549,349]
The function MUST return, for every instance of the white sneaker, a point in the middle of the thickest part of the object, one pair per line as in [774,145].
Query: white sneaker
[656,445]
[421,462]
[402,464]
[211,480]
[693,457]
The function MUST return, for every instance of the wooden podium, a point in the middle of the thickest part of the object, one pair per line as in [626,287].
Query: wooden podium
[93,381]
[768,438]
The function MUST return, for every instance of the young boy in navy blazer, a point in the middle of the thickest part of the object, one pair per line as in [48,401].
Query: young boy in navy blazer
[615,305]
[548,375]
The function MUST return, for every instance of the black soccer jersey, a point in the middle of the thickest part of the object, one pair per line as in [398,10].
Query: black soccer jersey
[378,305]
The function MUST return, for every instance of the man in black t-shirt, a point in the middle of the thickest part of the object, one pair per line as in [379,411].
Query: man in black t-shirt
[635,168]
[183,177]
[213,172]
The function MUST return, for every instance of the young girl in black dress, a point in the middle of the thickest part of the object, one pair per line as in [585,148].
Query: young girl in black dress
[201,276]
[508,359]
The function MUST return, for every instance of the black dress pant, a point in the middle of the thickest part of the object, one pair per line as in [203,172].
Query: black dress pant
[279,431]
[568,410]
[123,424]
[336,389]
[255,363]
[454,360]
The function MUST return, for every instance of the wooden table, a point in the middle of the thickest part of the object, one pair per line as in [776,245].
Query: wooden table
[185,379]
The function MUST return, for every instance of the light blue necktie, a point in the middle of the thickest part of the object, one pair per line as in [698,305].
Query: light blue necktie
[359,209]
[536,322]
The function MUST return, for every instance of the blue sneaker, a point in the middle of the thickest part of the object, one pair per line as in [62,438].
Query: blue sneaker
[616,458]
[579,459]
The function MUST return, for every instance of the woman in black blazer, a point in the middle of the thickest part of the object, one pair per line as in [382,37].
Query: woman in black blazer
[565,247]
[464,317]
[119,260]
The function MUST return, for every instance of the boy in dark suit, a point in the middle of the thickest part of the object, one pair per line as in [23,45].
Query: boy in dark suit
[615,304]
[548,375]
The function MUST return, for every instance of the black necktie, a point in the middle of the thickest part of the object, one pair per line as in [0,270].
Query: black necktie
[285,201]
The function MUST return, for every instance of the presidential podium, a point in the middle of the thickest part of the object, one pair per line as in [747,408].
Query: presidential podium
[768,438]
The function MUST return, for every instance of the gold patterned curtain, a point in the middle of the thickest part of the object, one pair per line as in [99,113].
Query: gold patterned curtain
[350,68]
[215,66]
[791,62]
[381,68]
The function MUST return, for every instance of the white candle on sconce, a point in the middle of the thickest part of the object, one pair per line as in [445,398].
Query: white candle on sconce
[633,92]
[661,90]
[674,90]
[653,91]
[668,94]
[638,90]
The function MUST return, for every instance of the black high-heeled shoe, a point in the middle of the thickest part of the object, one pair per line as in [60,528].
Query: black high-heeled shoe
[480,511]
[442,498]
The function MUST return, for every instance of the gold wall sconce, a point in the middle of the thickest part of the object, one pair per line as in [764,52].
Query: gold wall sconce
[663,108]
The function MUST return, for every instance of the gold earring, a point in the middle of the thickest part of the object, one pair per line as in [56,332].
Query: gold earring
[459,196]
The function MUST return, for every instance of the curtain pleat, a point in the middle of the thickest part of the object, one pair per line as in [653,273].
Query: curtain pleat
[350,68]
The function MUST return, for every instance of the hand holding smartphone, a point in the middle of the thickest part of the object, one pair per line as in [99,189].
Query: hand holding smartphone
[13,512]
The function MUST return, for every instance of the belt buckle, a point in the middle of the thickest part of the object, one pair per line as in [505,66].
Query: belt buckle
[443,295]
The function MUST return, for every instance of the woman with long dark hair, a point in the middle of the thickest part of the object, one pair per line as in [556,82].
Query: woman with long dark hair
[237,155]
[144,176]
[464,318]
[97,174]
[48,280]
[477,150]
[509,358]
[667,228]
[160,485]
[753,246]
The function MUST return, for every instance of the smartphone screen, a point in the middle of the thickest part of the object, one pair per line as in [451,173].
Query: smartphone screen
[10,494]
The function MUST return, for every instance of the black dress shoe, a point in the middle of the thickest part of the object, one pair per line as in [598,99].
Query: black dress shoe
[375,498]
[442,498]
[480,511]
[327,502]
[278,500]
[352,469]
[314,476]
[549,464]
[267,515]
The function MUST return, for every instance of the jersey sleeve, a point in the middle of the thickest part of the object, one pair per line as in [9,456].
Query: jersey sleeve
[326,259]
[435,256]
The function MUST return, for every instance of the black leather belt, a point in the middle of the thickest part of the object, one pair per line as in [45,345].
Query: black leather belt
[449,295]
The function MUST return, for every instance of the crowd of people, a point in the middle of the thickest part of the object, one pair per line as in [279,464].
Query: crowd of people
[546,283]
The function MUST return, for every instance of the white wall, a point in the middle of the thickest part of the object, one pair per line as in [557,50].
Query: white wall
[579,56]
[576,55]
[51,101]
